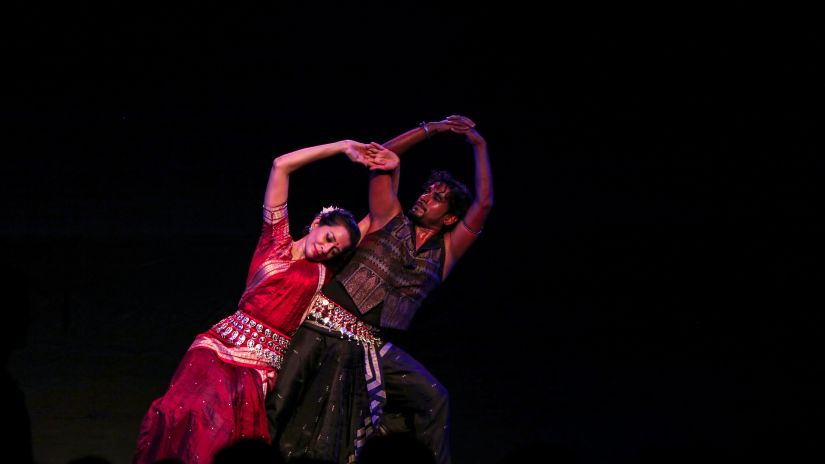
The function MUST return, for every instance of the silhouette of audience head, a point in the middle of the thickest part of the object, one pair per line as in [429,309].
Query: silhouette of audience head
[306,460]
[249,450]
[688,454]
[90,459]
[395,448]
[537,451]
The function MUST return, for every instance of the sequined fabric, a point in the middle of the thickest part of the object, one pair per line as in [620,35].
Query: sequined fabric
[331,315]
[243,331]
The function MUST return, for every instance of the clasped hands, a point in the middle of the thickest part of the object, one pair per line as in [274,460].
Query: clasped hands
[372,155]
[378,158]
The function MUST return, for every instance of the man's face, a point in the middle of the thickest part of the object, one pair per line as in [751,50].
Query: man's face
[432,206]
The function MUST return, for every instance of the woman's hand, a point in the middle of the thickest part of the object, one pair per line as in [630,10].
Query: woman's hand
[356,152]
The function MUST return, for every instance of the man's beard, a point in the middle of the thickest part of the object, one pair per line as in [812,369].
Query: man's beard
[415,218]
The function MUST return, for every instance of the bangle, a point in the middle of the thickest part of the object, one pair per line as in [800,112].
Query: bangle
[423,125]
[471,230]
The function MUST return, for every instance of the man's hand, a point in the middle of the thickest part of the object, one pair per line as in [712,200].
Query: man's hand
[381,159]
[464,125]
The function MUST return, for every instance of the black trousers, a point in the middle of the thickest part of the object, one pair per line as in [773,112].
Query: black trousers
[415,395]
[320,398]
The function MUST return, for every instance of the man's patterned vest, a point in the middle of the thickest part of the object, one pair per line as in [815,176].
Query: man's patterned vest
[386,268]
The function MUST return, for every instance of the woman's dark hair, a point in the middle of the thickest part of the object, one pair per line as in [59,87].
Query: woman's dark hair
[333,215]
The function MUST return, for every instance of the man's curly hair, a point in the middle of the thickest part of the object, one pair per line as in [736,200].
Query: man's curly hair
[459,199]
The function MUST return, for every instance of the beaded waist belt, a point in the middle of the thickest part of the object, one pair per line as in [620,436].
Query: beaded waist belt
[239,328]
[328,313]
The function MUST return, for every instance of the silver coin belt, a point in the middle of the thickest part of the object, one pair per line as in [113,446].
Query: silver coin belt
[332,316]
[269,345]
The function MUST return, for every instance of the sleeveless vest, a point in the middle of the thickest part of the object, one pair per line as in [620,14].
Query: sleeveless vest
[386,268]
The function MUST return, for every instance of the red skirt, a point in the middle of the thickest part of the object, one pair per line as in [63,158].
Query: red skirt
[209,405]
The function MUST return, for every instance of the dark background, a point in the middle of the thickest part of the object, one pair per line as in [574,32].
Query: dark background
[647,285]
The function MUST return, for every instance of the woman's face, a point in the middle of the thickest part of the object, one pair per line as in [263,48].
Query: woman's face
[325,242]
